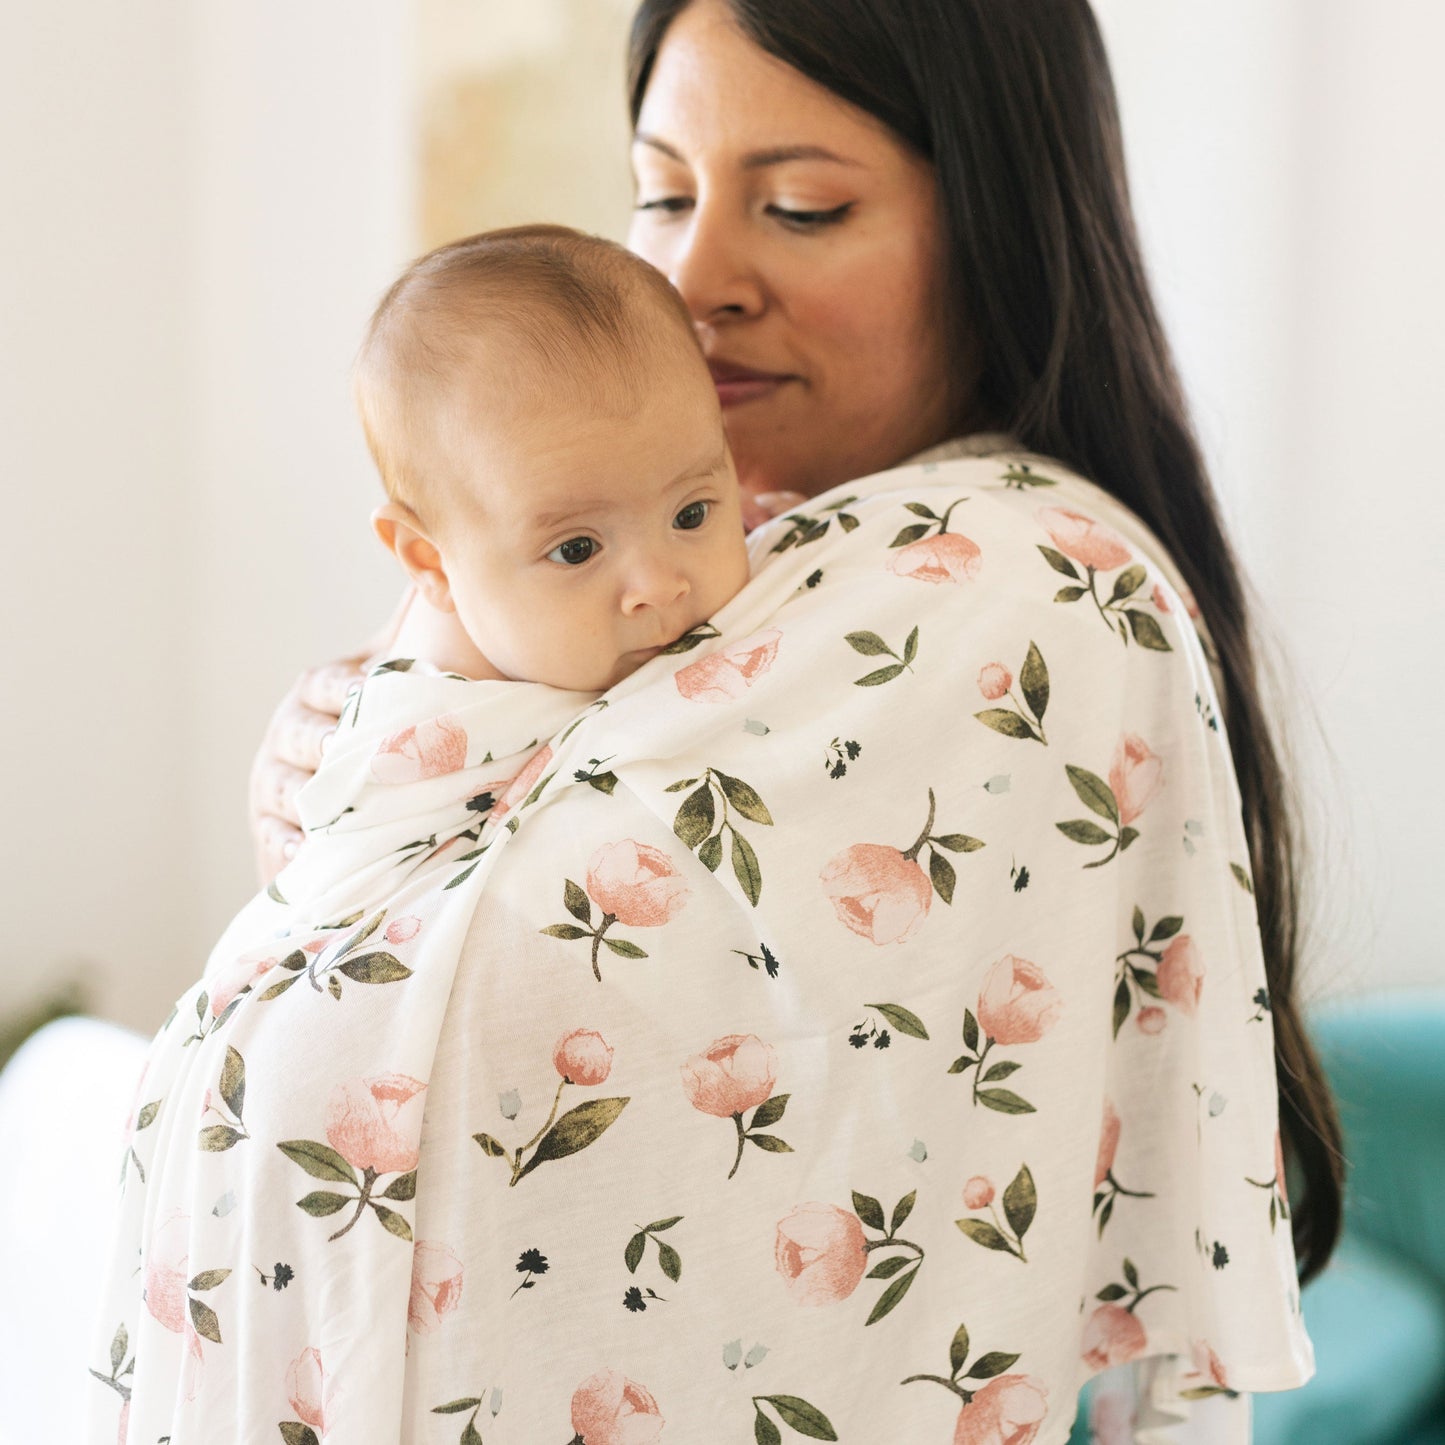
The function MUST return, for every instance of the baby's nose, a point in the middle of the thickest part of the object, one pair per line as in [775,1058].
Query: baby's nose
[655,585]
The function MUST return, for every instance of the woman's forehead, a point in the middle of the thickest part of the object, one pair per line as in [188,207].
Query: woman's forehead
[716,95]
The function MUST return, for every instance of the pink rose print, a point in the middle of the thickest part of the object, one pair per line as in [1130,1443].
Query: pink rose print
[1279,1167]
[165,1271]
[1160,600]
[1084,539]
[946,557]
[308,1389]
[243,973]
[523,783]
[1135,776]
[610,1409]
[436,1286]
[583,1057]
[1151,1019]
[994,681]
[1007,1410]
[1017,1005]
[1208,1364]
[402,930]
[124,1426]
[1107,1189]
[880,894]
[376,1123]
[1113,1337]
[978,1193]
[635,883]
[733,1075]
[730,672]
[1108,1144]
[427,750]
[820,1253]
[1181,975]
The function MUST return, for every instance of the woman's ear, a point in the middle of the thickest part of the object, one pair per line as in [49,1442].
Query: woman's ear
[402,534]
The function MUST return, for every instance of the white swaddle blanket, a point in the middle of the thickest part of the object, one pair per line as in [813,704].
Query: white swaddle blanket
[851,1027]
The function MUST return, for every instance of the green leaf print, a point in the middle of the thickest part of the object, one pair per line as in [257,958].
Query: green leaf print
[980,1231]
[1146,630]
[1128,582]
[884,674]
[765,1115]
[375,968]
[216,1138]
[1020,1201]
[456,1407]
[669,1261]
[1083,831]
[208,1279]
[868,1210]
[943,875]
[1005,1101]
[695,818]
[765,1432]
[1034,680]
[710,853]
[803,1417]
[1002,720]
[958,1350]
[320,1161]
[402,1188]
[293,1432]
[565,930]
[902,1019]
[1094,792]
[892,1296]
[575,1130]
[986,1367]
[576,901]
[319,1203]
[902,1210]
[744,798]
[1061,564]
[392,1222]
[203,1317]
[623,948]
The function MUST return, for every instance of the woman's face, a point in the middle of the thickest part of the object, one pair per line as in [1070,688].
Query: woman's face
[804,237]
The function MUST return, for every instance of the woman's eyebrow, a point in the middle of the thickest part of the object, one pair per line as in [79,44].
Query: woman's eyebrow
[757,160]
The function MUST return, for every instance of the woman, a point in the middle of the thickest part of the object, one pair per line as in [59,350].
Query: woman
[897,225]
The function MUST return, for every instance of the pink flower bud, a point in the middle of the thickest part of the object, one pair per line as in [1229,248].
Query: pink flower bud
[994,681]
[978,1193]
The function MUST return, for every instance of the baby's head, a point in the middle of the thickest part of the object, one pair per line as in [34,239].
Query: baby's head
[552,446]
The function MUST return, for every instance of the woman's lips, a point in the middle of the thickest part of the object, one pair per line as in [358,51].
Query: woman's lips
[736,384]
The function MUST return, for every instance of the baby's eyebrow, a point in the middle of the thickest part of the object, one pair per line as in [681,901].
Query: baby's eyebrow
[547,520]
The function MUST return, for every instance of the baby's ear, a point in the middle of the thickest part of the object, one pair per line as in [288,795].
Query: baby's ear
[401,532]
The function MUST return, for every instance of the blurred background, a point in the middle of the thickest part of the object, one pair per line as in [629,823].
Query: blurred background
[200,204]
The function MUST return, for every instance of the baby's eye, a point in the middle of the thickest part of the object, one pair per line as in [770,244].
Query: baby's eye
[693,515]
[574,550]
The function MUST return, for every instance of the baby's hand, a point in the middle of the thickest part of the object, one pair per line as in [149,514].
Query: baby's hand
[767,505]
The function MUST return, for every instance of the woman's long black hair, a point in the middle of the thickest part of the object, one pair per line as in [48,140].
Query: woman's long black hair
[1056,340]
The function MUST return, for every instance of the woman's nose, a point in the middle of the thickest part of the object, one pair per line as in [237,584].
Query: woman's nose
[713,267]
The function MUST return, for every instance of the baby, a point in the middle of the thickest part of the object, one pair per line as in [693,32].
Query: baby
[553,452]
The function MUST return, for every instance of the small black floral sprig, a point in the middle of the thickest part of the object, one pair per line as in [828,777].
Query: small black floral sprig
[902,1269]
[871,645]
[530,1262]
[1278,1204]
[807,529]
[217,1137]
[281,1275]
[986,1367]
[765,959]
[840,753]
[902,1019]
[1261,1005]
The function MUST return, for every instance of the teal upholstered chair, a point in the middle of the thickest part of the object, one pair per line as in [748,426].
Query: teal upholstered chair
[1377,1314]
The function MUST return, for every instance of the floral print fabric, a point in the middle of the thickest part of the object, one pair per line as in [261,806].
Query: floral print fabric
[852,1027]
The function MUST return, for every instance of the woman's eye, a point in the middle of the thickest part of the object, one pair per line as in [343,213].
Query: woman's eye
[670,204]
[573,551]
[693,515]
[810,220]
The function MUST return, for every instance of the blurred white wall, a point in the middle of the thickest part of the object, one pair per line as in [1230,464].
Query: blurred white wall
[200,203]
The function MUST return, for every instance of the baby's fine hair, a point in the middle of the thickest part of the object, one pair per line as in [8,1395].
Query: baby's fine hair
[572,312]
